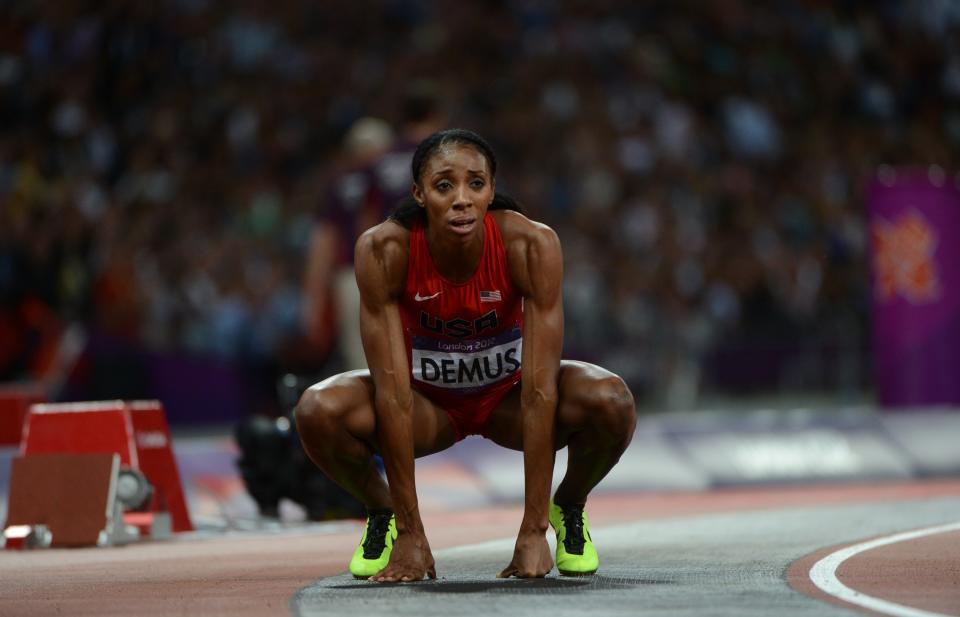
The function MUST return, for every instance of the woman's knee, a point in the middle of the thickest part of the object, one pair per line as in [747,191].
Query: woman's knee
[323,410]
[611,405]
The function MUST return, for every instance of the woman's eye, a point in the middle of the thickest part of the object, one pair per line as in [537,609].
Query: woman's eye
[477,184]
[443,186]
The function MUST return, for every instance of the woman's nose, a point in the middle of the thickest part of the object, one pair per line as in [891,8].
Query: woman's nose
[461,197]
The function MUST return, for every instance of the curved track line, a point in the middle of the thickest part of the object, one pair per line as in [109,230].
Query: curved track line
[824,573]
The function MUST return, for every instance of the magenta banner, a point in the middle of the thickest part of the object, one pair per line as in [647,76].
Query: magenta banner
[914,218]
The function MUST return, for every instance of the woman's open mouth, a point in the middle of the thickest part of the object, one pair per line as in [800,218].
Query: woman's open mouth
[463,225]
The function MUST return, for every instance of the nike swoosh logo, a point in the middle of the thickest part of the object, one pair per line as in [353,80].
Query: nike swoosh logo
[420,298]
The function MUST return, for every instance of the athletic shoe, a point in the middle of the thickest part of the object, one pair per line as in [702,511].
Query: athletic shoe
[576,554]
[375,546]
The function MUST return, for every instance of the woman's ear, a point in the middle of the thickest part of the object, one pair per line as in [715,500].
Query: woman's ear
[417,194]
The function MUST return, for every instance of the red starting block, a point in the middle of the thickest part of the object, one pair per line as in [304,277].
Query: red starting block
[15,401]
[156,461]
[19,537]
[80,428]
[65,500]
[137,431]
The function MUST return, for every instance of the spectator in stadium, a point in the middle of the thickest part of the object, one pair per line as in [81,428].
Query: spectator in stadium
[375,180]
[349,208]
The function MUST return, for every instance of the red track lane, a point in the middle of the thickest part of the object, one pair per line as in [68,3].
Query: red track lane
[923,573]
[242,576]
[929,569]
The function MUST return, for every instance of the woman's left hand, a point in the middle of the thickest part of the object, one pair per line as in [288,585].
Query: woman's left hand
[531,557]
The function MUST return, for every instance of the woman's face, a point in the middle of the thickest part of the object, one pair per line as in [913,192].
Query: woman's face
[455,188]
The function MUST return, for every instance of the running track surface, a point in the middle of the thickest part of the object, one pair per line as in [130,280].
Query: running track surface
[730,552]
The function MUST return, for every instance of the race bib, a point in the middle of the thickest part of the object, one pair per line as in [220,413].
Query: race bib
[469,364]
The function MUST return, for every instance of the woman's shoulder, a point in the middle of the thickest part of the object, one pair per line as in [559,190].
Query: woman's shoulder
[385,248]
[387,236]
[517,229]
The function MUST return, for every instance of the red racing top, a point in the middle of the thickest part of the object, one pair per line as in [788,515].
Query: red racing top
[464,340]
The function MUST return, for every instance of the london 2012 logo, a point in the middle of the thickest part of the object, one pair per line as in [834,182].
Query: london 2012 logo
[903,258]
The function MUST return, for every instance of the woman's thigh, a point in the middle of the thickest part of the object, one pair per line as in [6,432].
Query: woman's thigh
[574,382]
[350,396]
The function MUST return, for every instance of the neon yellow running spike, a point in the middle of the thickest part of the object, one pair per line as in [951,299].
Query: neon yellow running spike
[373,553]
[576,554]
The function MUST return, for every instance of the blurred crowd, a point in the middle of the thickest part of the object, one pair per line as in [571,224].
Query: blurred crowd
[162,165]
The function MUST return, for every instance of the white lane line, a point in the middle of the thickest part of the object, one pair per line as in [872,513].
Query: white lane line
[824,573]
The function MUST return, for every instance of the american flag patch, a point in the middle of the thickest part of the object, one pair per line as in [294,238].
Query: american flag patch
[490,296]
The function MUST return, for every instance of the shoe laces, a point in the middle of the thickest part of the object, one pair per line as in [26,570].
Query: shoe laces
[376,538]
[573,541]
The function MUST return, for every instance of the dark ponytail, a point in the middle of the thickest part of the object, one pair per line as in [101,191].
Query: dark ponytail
[502,201]
[408,210]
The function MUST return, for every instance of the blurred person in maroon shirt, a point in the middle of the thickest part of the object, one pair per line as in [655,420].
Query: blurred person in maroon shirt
[347,210]
[375,178]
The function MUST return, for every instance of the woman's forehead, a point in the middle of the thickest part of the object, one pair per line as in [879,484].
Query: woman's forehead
[455,154]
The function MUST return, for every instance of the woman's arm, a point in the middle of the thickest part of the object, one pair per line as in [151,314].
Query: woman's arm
[537,269]
[381,264]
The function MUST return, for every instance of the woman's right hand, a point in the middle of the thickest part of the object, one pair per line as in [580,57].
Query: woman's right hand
[410,560]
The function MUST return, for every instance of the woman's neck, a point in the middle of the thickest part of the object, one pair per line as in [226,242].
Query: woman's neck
[456,258]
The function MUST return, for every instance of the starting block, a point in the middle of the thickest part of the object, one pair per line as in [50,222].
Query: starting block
[138,434]
[19,537]
[155,455]
[76,428]
[64,500]
[15,402]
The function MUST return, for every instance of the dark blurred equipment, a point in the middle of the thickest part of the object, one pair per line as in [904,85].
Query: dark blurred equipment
[274,466]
